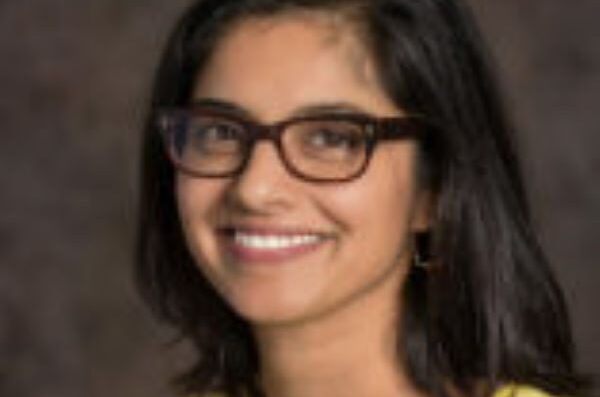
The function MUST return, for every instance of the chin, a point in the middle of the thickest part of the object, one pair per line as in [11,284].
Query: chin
[268,309]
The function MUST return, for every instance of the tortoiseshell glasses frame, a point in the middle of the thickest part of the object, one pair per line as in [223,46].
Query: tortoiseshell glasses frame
[209,143]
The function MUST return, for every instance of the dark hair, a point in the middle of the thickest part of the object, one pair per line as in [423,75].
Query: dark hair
[488,312]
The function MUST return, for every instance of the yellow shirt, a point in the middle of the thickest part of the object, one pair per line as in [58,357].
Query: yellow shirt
[520,391]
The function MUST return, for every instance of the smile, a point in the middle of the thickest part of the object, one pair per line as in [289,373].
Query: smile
[274,242]
[256,246]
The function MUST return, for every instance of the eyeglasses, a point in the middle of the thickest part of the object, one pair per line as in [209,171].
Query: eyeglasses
[325,148]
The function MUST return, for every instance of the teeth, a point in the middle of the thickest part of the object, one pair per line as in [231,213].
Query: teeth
[274,242]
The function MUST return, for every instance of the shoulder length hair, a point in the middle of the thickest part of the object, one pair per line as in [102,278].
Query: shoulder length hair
[488,312]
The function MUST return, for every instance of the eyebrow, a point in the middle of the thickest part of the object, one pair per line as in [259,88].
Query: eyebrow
[315,109]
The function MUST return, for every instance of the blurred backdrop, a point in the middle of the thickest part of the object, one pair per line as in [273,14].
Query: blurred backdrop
[74,77]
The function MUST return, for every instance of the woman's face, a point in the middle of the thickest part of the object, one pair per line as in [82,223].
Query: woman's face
[351,239]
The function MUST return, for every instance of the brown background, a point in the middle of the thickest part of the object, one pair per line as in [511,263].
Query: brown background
[73,80]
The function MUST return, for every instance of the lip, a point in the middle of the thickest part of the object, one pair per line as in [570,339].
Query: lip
[269,256]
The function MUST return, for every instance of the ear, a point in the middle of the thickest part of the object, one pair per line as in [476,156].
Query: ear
[423,207]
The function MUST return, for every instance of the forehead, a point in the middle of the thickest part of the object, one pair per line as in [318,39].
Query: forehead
[271,65]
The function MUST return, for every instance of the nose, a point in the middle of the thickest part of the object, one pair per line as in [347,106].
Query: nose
[265,185]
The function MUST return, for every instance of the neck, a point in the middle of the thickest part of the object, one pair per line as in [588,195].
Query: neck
[352,351]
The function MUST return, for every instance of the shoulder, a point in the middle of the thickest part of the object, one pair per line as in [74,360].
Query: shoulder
[520,391]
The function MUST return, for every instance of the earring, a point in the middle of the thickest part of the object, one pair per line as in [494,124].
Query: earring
[421,250]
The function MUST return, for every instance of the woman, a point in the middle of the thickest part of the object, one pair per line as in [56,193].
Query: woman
[331,206]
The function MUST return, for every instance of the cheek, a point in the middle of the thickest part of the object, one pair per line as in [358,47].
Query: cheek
[197,202]
[198,198]
[191,204]
[382,201]
[384,216]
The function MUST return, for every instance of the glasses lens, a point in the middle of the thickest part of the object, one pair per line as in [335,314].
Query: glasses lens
[206,144]
[325,149]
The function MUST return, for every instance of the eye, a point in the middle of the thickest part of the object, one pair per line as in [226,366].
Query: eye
[331,139]
[334,136]
[215,135]
[215,130]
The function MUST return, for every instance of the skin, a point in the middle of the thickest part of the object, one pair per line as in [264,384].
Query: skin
[319,317]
